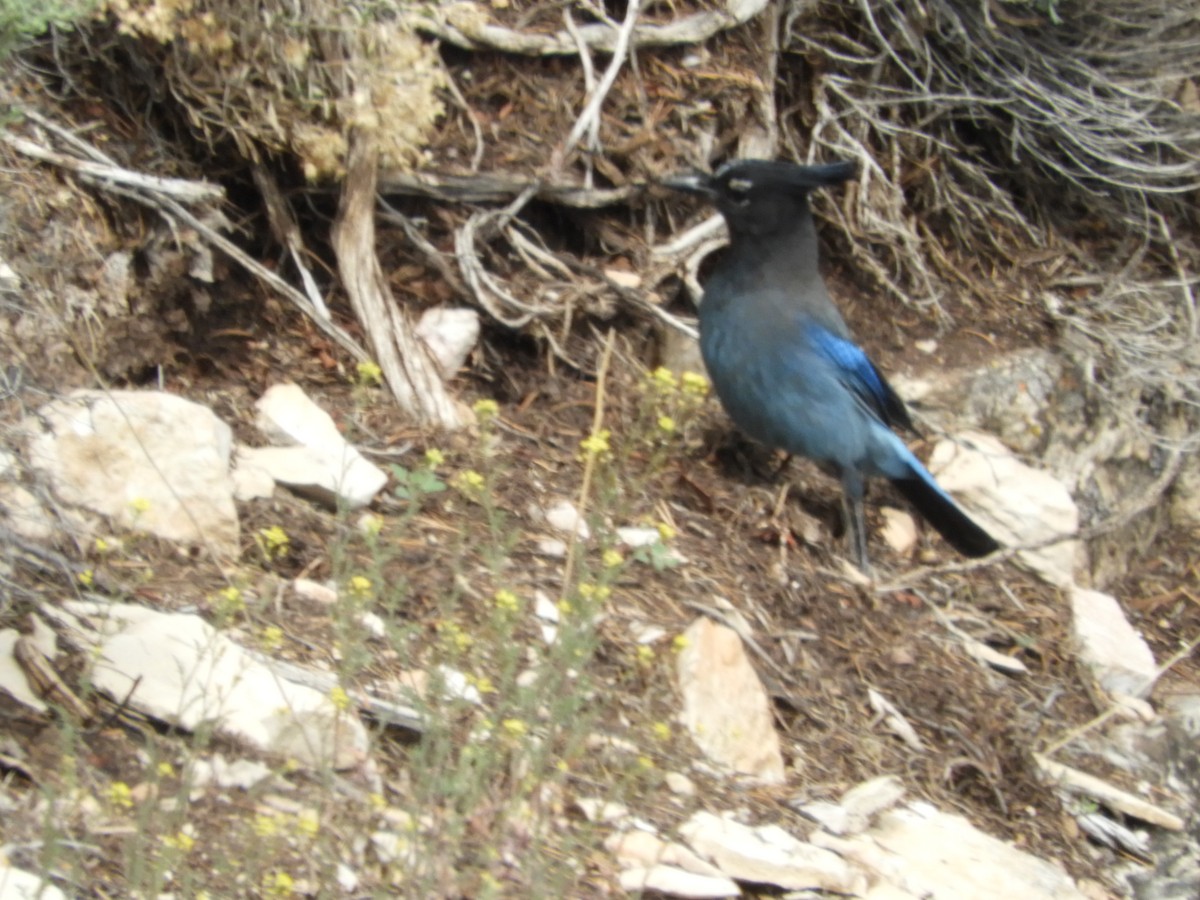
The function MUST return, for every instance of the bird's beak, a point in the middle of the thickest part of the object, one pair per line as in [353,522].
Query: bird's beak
[690,183]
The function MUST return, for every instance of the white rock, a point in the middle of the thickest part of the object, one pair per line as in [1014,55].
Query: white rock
[623,278]
[12,676]
[391,847]
[944,857]
[315,591]
[373,624]
[327,479]
[646,632]
[1016,503]
[329,469]
[458,686]
[241,773]
[552,547]
[250,481]
[597,809]
[680,785]
[563,516]
[346,877]
[768,855]
[725,707]
[899,530]
[10,281]
[19,509]
[675,882]
[634,537]
[863,801]
[548,615]
[832,817]
[288,417]
[1117,655]
[177,668]
[151,461]
[17,884]
[450,334]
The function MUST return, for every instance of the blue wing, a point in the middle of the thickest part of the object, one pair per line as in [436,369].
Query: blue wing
[859,374]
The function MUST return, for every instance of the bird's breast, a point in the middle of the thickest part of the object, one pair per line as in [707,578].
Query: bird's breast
[773,383]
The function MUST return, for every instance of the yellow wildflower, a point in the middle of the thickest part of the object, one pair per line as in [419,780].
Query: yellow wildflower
[515,727]
[486,409]
[694,384]
[308,823]
[597,444]
[120,795]
[506,600]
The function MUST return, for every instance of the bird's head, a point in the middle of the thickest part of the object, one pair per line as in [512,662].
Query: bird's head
[758,196]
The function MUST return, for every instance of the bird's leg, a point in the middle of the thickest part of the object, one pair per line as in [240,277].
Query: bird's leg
[855,517]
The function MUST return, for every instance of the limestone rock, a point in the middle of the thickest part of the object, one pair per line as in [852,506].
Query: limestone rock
[944,857]
[725,706]
[1118,656]
[151,461]
[1017,503]
[178,669]
[311,457]
[450,335]
[899,530]
[768,855]
[17,884]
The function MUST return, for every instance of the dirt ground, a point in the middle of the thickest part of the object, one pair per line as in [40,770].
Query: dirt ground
[825,639]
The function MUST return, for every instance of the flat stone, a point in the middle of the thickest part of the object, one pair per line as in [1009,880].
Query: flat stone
[1118,656]
[1016,503]
[944,857]
[17,884]
[12,676]
[450,334]
[151,461]
[177,668]
[725,707]
[337,479]
[767,854]
[312,457]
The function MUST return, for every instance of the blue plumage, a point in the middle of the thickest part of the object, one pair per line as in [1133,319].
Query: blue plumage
[782,360]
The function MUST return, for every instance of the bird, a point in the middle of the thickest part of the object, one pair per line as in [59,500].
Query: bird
[782,360]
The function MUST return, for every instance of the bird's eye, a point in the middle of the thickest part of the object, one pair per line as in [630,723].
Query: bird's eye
[739,190]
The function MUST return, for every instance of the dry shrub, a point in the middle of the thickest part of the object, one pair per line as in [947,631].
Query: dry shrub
[1040,148]
[987,121]
[279,77]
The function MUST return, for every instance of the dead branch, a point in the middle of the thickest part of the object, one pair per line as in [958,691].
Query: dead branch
[467,26]
[177,188]
[143,190]
[500,187]
[407,368]
[286,230]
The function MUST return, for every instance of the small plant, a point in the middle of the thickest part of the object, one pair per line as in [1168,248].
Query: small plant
[22,21]
[415,484]
[273,543]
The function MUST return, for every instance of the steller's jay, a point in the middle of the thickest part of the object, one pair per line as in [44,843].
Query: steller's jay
[782,359]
